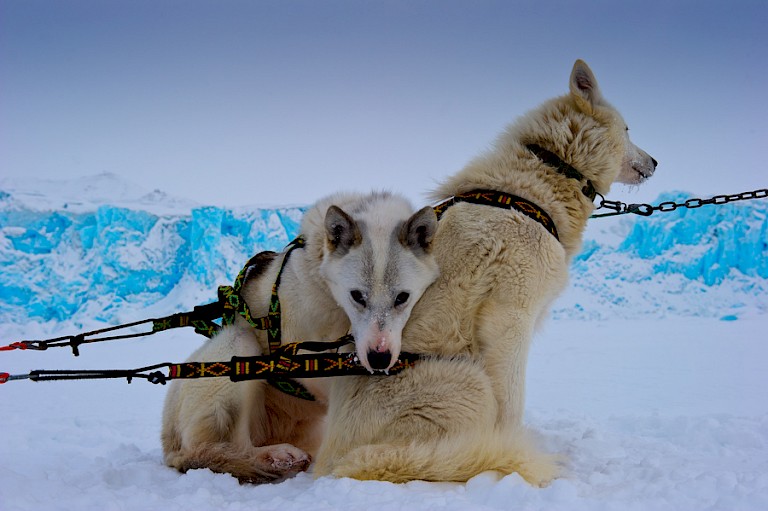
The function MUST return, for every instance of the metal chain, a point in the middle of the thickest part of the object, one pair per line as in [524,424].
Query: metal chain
[621,208]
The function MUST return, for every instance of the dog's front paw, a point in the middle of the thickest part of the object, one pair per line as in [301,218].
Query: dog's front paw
[542,470]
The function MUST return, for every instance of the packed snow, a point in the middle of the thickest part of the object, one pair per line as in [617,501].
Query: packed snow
[649,379]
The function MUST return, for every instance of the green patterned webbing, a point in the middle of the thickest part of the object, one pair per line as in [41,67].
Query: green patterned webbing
[274,331]
[233,303]
[201,318]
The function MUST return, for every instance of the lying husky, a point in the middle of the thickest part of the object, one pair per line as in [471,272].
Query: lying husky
[516,218]
[364,265]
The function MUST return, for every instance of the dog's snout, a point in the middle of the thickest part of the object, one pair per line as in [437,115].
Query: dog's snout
[379,360]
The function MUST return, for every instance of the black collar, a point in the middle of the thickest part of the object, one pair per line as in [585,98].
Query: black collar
[563,168]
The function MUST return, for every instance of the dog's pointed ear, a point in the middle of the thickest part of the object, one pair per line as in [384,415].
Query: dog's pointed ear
[417,232]
[584,86]
[342,232]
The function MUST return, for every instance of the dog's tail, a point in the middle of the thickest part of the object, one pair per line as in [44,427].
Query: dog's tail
[451,459]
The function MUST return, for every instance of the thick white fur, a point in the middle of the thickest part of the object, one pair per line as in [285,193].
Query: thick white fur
[460,413]
[251,430]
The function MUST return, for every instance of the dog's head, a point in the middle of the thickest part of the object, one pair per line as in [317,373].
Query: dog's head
[636,165]
[377,263]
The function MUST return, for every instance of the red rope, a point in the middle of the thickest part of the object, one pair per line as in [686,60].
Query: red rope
[14,346]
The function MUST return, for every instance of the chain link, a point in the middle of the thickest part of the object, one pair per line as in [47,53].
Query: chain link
[622,208]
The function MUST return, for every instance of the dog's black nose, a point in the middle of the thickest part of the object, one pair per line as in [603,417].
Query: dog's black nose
[379,360]
[655,163]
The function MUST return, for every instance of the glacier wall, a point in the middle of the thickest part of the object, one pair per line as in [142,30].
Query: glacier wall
[708,242]
[710,261]
[56,265]
[113,263]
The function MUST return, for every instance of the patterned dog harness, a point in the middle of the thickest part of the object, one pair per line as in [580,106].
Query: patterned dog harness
[501,200]
[235,304]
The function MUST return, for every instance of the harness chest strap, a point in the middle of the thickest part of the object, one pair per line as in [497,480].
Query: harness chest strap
[504,201]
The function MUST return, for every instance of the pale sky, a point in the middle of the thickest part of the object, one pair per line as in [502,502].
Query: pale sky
[281,102]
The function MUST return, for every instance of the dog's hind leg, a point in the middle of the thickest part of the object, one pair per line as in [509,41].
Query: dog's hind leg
[449,459]
[505,355]
[506,321]
[400,412]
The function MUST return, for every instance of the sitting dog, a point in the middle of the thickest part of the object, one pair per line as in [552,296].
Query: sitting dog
[365,262]
[515,221]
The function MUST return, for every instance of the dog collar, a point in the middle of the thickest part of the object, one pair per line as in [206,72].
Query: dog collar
[501,200]
[563,168]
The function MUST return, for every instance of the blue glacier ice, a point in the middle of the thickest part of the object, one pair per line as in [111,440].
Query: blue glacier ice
[68,263]
[54,263]
[724,238]
[708,261]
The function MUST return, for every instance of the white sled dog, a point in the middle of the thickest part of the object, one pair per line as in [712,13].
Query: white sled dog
[459,412]
[364,265]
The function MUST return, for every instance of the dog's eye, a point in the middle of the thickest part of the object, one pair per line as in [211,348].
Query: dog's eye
[401,298]
[358,297]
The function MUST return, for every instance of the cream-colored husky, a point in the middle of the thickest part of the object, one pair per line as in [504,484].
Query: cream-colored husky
[365,263]
[460,412]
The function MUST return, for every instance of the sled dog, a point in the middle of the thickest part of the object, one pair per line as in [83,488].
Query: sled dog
[460,412]
[365,262]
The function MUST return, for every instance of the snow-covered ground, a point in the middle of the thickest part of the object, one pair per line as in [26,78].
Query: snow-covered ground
[650,378]
[651,414]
